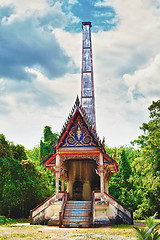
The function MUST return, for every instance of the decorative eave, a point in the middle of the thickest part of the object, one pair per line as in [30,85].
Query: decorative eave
[50,157]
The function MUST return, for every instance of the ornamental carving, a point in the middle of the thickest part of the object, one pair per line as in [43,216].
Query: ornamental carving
[79,157]
[78,135]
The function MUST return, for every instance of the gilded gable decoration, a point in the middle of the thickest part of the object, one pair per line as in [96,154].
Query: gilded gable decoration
[78,135]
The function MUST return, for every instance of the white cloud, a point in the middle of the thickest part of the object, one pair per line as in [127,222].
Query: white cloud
[73,2]
[145,81]
[126,69]
[104,3]
[34,105]
[23,7]
[72,44]
[126,62]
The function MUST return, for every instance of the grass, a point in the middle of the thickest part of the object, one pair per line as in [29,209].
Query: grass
[9,221]
[143,221]
[13,231]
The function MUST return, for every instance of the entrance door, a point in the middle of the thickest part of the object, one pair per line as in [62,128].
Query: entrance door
[77,190]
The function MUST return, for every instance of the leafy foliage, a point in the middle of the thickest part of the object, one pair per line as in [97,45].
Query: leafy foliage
[149,232]
[146,167]
[120,185]
[23,183]
[18,152]
[137,183]
[49,139]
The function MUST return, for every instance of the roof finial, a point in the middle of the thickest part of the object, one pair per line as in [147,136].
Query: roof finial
[103,142]
[77,101]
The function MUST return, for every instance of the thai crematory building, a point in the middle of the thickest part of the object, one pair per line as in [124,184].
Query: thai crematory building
[79,158]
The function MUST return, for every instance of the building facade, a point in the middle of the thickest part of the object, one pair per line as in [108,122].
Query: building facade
[80,160]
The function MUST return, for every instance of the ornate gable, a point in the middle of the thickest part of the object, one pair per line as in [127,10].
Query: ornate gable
[78,139]
[78,134]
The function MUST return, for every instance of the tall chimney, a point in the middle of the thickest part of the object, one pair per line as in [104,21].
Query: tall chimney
[87,83]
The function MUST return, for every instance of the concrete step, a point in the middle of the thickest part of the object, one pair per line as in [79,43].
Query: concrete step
[78,207]
[78,202]
[74,225]
[77,213]
[83,205]
[75,208]
[80,218]
[75,222]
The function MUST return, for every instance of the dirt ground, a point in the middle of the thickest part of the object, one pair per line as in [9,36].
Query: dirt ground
[26,231]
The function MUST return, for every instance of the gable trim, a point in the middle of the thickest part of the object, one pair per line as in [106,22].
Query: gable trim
[70,123]
[77,134]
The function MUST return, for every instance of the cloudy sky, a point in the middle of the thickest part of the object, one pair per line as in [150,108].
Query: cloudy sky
[40,65]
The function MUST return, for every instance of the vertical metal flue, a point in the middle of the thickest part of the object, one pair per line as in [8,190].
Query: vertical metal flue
[87,83]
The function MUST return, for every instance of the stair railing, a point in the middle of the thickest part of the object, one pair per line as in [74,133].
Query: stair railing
[61,213]
[91,211]
[122,210]
[125,212]
[43,206]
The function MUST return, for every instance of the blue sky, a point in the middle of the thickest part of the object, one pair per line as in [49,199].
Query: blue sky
[40,65]
[103,17]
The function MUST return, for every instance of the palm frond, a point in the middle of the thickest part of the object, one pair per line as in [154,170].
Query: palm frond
[150,231]
[150,221]
[141,233]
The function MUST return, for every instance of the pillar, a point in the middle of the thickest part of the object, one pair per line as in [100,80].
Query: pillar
[106,185]
[101,173]
[70,189]
[57,180]
[101,181]
[62,181]
[57,169]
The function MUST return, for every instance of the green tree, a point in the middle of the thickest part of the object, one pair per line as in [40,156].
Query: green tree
[146,167]
[48,142]
[18,151]
[23,182]
[34,154]
[120,185]
[5,150]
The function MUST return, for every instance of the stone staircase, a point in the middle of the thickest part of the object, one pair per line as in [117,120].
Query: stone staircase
[77,214]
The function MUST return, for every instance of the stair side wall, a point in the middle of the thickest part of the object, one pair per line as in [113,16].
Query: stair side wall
[110,211]
[51,212]
[47,210]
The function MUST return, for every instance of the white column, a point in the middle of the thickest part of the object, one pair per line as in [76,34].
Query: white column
[101,181]
[57,180]
[101,172]
[62,180]
[106,185]
[57,168]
